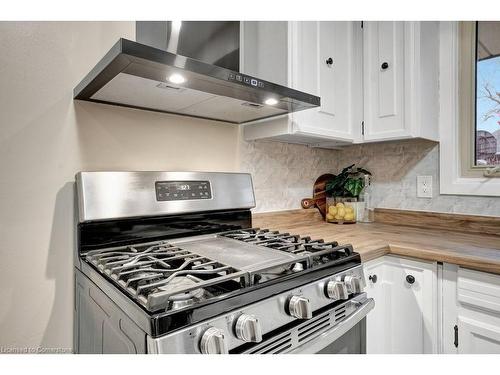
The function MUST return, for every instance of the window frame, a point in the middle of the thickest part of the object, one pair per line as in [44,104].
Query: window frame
[468,98]
[455,151]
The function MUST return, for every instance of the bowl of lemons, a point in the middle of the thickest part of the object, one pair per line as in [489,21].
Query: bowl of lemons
[341,210]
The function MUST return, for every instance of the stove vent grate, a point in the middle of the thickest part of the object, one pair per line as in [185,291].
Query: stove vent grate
[304,332]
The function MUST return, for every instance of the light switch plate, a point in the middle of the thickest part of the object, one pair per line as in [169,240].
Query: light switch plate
[424,186]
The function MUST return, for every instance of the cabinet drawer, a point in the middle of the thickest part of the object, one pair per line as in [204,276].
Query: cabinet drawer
[479,289]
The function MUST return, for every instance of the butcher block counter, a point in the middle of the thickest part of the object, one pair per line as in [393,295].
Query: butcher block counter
[469,241]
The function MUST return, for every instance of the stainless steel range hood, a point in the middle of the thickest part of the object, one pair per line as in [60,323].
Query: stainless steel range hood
[191,69]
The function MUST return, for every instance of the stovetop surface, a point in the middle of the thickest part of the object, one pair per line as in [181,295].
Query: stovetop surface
[167,276]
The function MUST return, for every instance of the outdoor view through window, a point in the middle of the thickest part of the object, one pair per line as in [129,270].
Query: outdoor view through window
[487,93]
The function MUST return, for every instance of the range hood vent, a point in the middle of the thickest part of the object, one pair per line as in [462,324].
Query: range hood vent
[142,76]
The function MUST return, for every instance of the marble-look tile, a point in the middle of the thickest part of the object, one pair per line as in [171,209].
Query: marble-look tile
[284,173]
[395,168]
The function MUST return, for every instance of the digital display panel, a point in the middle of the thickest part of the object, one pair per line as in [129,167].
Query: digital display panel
[182,190]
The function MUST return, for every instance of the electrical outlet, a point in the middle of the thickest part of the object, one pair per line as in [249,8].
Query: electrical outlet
[424,186]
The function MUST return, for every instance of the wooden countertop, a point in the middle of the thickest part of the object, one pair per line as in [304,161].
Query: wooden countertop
[372,240]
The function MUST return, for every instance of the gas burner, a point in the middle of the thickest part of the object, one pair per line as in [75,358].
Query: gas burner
[318,251]
[162,276]
[183,299]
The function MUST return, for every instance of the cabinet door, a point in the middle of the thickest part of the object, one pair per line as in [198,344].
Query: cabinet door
[405,318]
[384,80]
[376,320]
[477,336]
[478,295]
[326,61]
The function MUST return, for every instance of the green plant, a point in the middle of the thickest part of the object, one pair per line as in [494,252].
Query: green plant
[350,182]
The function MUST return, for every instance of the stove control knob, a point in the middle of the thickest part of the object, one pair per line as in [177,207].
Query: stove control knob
[336,290]
[212,342]
[300,307]
[248,328]
[355,284]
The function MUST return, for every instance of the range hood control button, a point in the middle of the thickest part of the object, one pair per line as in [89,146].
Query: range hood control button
[300,307]
[212,342]
[248,328]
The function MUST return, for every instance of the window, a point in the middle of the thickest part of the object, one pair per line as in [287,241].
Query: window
[469,95]
[487,126]
[479,96]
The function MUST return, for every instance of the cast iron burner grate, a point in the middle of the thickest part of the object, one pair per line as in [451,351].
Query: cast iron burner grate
[319,251]
[163,276]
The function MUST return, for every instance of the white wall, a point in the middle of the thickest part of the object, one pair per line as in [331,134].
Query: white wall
[45,138]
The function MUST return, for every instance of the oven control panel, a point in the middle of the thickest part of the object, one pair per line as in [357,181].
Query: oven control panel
[182,190]
[310,310]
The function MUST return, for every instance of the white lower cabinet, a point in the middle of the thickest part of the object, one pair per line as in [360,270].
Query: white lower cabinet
[480,335]
[441,308]
[475,311]
[405,316]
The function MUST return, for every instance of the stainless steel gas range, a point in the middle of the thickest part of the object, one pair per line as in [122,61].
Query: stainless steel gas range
[168,262]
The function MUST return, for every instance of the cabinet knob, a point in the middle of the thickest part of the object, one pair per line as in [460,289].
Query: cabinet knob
[384,65]
[410,279]
[329,61]
[373,278]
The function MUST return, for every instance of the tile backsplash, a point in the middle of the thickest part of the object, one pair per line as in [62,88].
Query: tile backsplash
[284,174]
[395,167]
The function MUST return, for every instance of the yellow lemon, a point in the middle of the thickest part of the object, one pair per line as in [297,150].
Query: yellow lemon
[330,216]
[349,209]
[341,212]
[338,217]
[340,204]
[332,210]
[349,217]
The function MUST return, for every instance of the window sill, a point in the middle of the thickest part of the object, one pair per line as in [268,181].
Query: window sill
[471,186]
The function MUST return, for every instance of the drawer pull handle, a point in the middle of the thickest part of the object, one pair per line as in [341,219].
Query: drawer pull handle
[410,279]
[373,278]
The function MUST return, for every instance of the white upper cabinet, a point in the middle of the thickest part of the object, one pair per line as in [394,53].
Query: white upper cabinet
[384,80]
[321,58]
[326,62]
[400,77]
[383,75]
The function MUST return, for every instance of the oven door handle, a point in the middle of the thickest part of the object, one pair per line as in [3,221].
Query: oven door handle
[338,330]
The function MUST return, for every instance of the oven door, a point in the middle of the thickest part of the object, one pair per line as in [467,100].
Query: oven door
[341,329]
[346,337]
